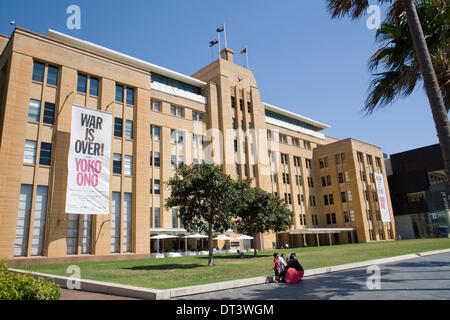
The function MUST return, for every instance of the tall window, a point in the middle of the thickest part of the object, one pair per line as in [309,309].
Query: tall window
[128,129]
[157,218]
[119,93]
[156,131]
[82,83]
[34,110]
[23,220]
[40,212]
[46,154]
[29,155]
[93,86]
[117,163]
[127,223]
[38,71]
[49,113]
[52,75]
[173,110]
[155,106]
[173,162]
[174,218]
[157,159]
[118,123]
[157,186]
[233,102]
[115,222]
[128,165]
[130,96]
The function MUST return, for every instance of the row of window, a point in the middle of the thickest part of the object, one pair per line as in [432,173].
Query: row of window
[34,112]
[296,142]
[369,159]
[119,131]
[241,104]
[29,155]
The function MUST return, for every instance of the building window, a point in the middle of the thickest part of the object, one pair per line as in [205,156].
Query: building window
[328,218]
[249,107]
[119,93]
[156,131]
[52,75]
[173,162]
[173,136]
[174,218]
[157,159]
[34,110]
[157,186]
[308,163]
[128,129]
[360,157]
[233,121]
[151,186]
[346,217]
[378,162]
[180,135]
[233,102]
[173,110]
[341,177]
[331,199]
[180,162]
[93,86]
[82,83]
[352,215]
[29,155]
[333,218]
[128,165]
[151,159]
[236,168]
[117,163]
[130,96]
[325,200]
[328,180]
[157,218]
[349,195]
[49,113]
[118,123]
[155,106]
[46,154]
[343,197]
[38,72]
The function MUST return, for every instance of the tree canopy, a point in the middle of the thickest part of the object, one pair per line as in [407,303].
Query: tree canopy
[203,194]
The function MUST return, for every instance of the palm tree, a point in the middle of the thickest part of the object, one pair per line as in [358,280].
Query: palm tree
[397,56]
[399,8]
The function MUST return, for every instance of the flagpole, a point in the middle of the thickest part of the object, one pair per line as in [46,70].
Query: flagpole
[218,37]
[246,50]
[225,33]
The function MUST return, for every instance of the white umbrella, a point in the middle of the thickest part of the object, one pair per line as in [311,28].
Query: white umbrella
[223,237]
[244,237]
[162,237]
[193,236]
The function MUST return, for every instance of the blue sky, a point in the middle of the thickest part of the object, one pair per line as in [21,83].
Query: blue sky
[302,60]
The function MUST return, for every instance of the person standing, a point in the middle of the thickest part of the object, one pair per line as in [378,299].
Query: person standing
[276,266]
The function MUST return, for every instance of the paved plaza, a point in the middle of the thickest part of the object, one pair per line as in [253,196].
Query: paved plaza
[425,277]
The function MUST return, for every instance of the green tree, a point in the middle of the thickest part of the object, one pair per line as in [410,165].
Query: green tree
[399,8]
[257,211]
[203,194]
[398,58]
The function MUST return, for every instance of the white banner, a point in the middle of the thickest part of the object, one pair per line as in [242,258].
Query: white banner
[89,162]
[382,198]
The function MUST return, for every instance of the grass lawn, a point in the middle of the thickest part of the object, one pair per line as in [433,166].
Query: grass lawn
[186,271]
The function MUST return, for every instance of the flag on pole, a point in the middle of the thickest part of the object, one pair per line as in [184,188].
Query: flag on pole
[220,29]
[214,42]
[244,51]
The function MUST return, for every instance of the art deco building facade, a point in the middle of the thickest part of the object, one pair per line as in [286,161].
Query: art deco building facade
[162,120]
